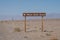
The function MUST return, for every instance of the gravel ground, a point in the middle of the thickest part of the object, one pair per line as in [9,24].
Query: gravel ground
[51,30]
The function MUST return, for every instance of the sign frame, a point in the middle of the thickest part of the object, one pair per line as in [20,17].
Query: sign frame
[35,14]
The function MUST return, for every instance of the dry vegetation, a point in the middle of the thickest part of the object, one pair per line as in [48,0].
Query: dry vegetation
[17,29]
[14,30]
[54,38]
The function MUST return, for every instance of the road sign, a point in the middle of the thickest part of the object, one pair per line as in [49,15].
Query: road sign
[34,14]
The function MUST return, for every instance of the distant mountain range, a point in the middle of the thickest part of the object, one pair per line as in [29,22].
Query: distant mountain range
[20,17]
[53,15]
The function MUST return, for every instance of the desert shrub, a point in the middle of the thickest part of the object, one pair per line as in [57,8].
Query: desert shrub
[48,34]
[17,29]
[54,39]
[25,36]
[45,31]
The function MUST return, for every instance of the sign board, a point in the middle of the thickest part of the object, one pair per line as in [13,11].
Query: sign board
[34,14]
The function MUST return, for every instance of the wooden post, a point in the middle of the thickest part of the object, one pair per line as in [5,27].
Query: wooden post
[42,25]
[25,23]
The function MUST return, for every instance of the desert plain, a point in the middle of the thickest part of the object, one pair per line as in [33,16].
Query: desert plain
[51,29]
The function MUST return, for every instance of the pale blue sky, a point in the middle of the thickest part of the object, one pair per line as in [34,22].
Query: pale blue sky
[14,8]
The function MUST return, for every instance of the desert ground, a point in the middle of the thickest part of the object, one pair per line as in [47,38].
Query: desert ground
[33,30]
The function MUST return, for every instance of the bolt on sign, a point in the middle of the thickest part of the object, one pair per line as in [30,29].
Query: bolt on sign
[34,14]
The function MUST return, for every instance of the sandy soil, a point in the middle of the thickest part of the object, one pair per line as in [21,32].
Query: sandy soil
[51,30]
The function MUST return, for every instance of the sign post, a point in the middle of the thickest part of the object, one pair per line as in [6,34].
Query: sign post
[25,23]
[34,14]
[42,25]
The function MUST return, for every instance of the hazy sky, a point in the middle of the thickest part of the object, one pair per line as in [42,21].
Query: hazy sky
[14,8]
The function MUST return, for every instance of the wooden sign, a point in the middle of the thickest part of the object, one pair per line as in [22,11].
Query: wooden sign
[34,14]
